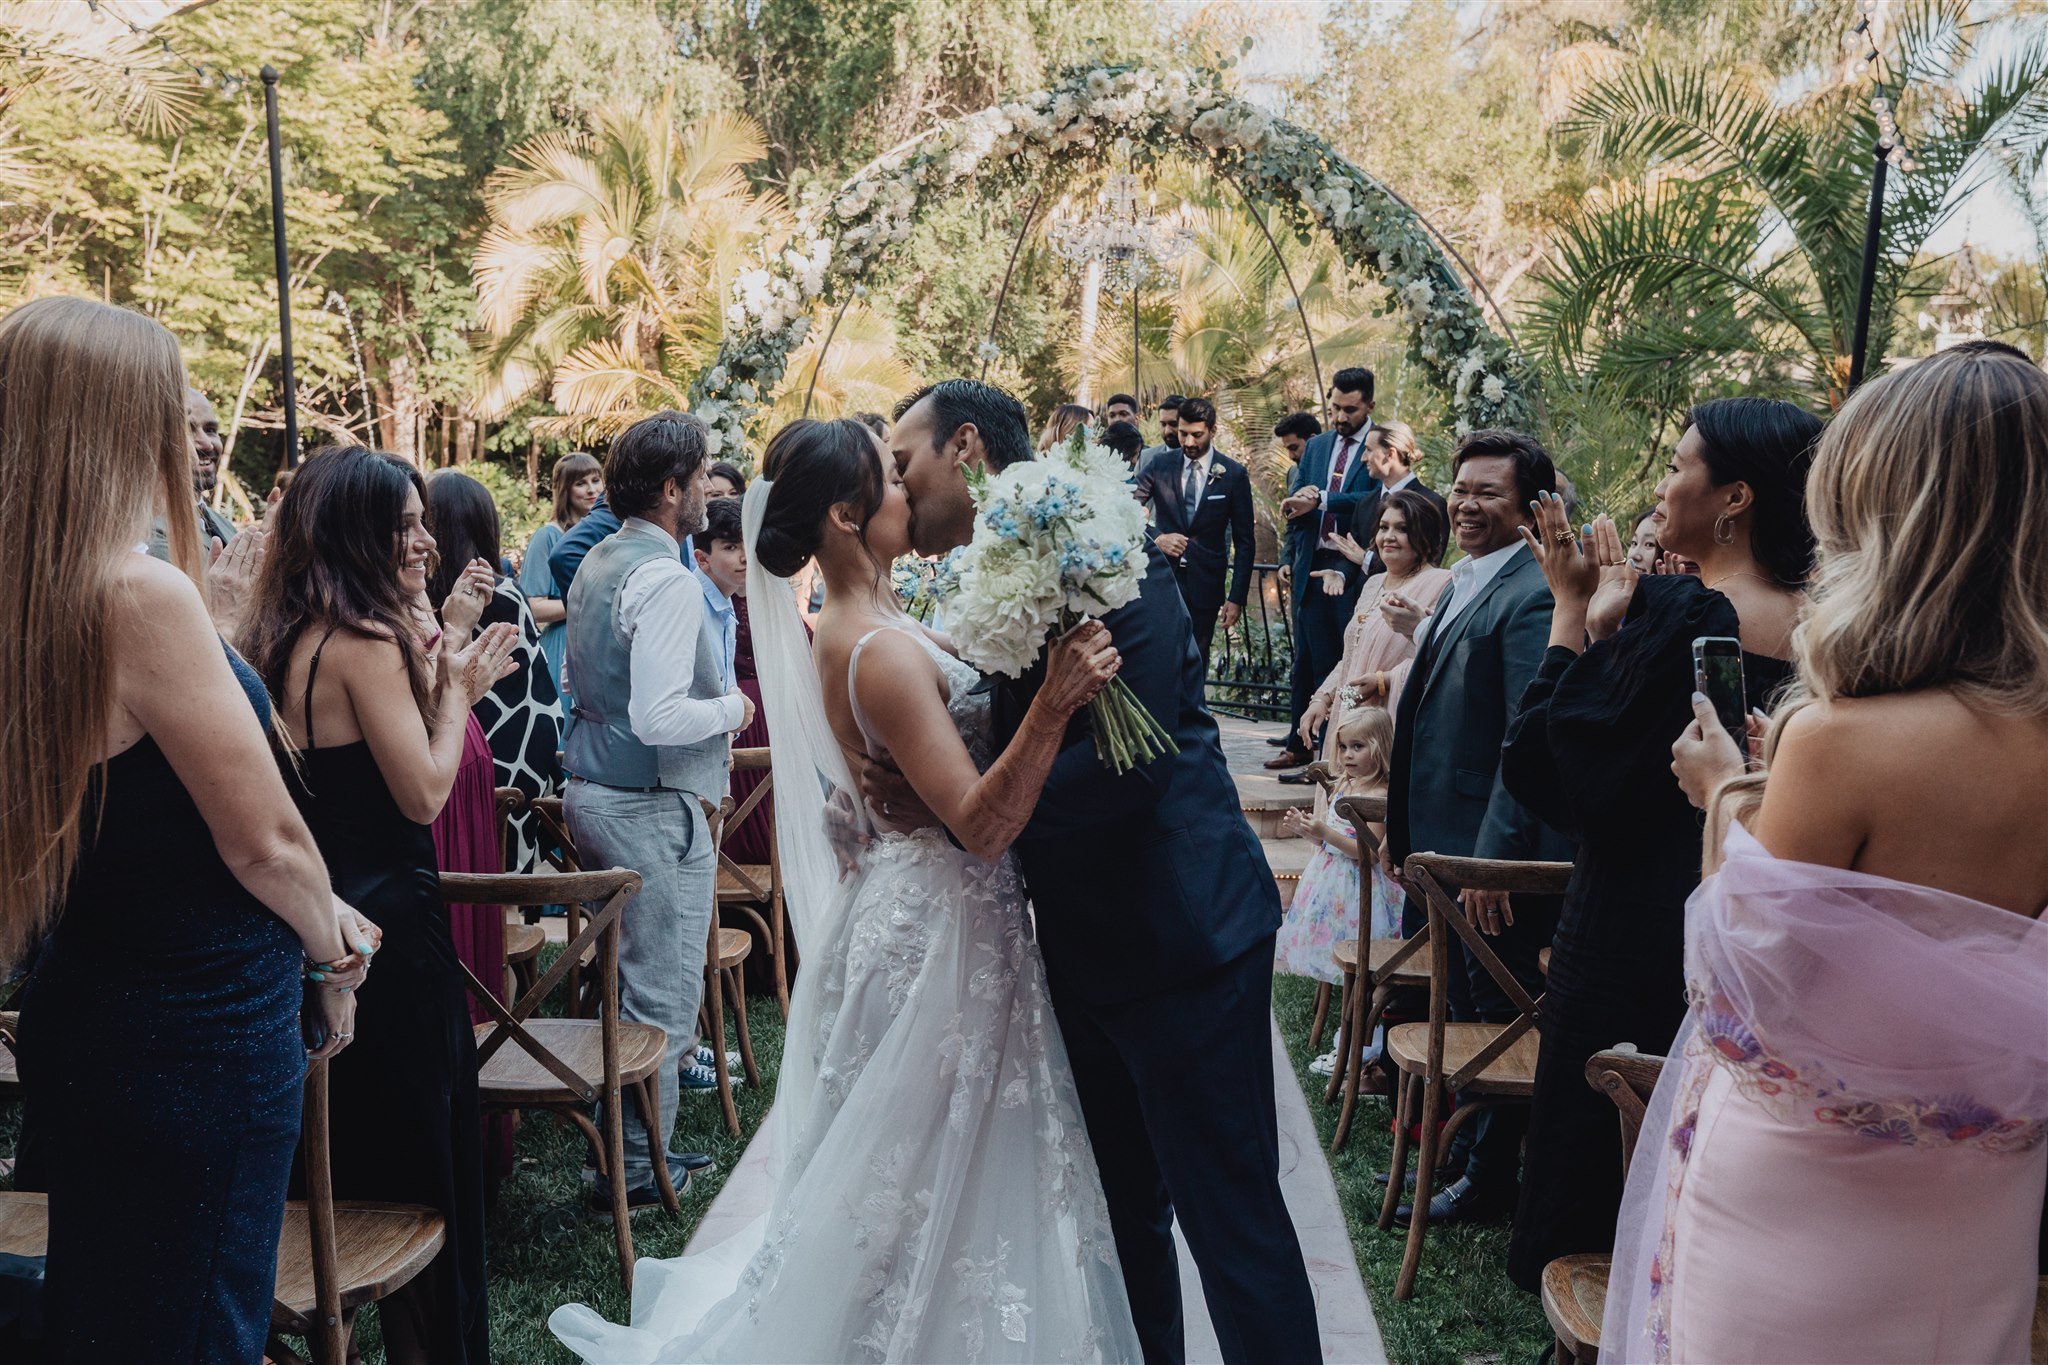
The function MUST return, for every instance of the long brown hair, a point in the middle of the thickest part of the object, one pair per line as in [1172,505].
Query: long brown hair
[92,442]
[332,563]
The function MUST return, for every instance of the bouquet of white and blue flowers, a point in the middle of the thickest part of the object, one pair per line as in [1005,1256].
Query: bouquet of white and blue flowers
[1056,540]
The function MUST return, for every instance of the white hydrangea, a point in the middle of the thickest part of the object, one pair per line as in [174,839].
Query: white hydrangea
[1494,388]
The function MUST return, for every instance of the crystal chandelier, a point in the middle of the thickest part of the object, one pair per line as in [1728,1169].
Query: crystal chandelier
[1123,235]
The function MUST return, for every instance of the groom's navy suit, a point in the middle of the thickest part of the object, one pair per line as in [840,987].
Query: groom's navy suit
[1156,912]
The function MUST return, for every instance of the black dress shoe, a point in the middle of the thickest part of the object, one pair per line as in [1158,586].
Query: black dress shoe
[1278,741]
[1461,1203]
[681,1166]
[599,1195]
[1296,779]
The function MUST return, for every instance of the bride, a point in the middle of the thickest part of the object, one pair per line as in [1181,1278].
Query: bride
[934,1194]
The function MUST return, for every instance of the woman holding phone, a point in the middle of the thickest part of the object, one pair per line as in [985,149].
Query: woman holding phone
[1590,753]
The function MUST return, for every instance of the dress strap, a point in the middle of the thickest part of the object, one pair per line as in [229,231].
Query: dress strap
[312,672]
[853,688]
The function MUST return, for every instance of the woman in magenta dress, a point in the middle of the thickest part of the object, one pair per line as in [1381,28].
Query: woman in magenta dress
[1844,1159]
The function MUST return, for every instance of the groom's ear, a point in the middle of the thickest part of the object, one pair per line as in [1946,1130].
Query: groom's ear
[968,445]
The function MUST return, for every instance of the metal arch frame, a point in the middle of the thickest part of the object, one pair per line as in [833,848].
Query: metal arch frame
[1472,277]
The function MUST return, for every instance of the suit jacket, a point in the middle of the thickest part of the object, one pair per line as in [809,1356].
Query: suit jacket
[1445,794]
[1219,531]
[1314,472]
[1145,881]
[1365,521]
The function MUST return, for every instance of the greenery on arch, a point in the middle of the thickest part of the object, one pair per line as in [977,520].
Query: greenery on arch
[1036,142]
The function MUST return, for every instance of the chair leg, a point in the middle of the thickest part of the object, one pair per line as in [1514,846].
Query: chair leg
[1425,1187]
[648,1092]
[714,1010]
[1315,1030]
[1336,1081]
[776,930]
[739,1025]
[1397,1167]
[1353,1061]
[615,1149]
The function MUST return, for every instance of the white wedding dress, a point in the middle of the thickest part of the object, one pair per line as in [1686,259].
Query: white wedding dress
[935,1197]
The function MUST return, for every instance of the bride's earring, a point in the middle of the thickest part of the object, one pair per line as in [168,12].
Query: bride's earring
[1724,531]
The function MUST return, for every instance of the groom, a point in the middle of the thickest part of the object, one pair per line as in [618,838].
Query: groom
[1156,913]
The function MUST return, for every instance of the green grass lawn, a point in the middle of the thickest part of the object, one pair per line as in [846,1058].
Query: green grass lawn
[1464,1306]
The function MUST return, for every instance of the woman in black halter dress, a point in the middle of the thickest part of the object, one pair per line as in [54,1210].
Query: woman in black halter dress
[336,632]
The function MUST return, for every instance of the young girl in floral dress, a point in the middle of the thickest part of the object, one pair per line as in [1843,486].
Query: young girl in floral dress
[1326,902]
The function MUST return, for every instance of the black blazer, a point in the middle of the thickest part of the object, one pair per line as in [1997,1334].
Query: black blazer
[1365,521]
[1143,882]
[1219,532]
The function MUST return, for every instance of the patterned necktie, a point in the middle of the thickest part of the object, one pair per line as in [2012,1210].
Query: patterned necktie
[1336,482]
[1191,490]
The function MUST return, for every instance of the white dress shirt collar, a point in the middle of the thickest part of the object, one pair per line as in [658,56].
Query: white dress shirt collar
[1469,578]
[646,527]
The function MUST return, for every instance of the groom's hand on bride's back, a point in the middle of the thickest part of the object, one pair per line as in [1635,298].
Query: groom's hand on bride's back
[890,798]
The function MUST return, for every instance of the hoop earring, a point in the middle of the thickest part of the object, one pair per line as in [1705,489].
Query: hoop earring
[1724,531]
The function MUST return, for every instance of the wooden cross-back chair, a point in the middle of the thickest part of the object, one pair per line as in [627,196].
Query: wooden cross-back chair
[335,1256]
[1482,1064]
[1373,970]
[725,979]
[568,1065]
[744,886]
[1575,1286]
[558,850]
[523,935]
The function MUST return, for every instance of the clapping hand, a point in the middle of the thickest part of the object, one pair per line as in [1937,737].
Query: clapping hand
[1618,580]
[1300,504]
[1568,563]
[231,572]
[467,598]
[479,666]
[1349,548]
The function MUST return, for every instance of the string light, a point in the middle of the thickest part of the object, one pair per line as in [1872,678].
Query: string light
[1882,104]
[209,77]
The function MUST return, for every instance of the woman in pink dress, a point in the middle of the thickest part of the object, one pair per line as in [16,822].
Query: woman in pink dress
[1410,540]
[1844,1160]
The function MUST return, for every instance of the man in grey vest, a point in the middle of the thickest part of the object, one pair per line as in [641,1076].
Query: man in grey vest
[655,711]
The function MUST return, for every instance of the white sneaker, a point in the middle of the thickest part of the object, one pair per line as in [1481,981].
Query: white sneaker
[705,1058]
[1324,1065]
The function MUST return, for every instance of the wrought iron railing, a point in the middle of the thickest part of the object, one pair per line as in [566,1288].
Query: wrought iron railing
[1251,665]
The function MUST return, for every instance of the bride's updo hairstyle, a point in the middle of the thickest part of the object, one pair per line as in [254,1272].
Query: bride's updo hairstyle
[1929,501]
[815,466]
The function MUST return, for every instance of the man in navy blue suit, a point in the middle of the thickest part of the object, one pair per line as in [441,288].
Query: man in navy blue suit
[1156,912]
[1328,484]
[1201,503]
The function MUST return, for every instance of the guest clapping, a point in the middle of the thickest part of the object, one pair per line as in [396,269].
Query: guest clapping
[377,699]
[1590,753]
[1410,544]
[149,835]
[1326,910]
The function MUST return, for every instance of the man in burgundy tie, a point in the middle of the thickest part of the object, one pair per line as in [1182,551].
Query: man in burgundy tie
[1329,483]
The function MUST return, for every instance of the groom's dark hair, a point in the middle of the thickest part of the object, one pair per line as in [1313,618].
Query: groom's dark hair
[1005,428]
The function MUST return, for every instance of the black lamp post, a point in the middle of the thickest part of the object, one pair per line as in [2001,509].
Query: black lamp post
[284,273]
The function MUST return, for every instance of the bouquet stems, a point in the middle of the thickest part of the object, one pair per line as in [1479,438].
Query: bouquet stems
[1126,734]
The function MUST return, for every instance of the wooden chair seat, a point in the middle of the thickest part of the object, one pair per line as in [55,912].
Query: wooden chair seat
[1511,1073]
[513,1077]
[378,1248]
[24,1223]
[1574,1297]
[733,947]
[523,942]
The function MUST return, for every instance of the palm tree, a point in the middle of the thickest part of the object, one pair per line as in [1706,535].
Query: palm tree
[94,56]
[1732,255]
[609,258]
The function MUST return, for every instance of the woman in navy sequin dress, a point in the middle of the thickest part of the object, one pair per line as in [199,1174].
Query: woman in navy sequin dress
[151,847]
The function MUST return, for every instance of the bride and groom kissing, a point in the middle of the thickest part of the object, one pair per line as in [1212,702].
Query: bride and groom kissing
[1033,1029]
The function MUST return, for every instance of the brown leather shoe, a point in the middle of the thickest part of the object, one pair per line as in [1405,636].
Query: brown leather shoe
[1293,758]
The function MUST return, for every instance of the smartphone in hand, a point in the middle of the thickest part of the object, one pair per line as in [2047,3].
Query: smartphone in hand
[1717,671]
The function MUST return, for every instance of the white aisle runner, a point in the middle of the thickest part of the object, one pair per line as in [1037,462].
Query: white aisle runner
[1343,1313]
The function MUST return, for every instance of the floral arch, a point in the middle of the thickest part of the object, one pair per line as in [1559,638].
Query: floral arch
[1037,141]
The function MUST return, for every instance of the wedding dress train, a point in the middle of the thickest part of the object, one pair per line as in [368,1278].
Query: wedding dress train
[935,1197]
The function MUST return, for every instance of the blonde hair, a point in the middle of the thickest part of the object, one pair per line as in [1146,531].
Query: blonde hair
[92,429]
[1398,437]
[1065,418]
[1372,726]
[1929,501]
